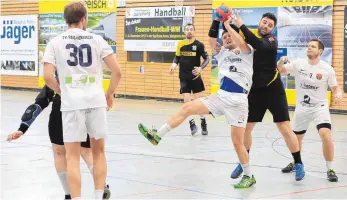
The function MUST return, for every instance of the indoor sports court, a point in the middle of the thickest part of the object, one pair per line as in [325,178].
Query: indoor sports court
[120,69]
[180,167]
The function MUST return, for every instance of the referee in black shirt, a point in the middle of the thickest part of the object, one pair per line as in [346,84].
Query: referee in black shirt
[267,92]
[188,53]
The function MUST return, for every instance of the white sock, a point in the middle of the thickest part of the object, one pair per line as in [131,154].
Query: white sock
[164,130]
[63,181]
[190,118]
[202,116]
[329,164]
[247,169]
[99,194]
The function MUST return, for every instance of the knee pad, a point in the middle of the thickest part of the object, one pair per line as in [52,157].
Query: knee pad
[30,114]
[324,125]
[299,132]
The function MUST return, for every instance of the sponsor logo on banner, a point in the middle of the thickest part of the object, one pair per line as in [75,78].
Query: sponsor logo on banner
[156,28]
[153,12]
[19,50]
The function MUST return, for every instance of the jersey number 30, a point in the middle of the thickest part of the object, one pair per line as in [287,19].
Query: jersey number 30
[78,52]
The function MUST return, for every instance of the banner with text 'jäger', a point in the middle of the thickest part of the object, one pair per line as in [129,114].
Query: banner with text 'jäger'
[156,28]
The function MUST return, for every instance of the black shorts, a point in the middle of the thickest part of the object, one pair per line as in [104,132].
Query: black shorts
[272,97]
[189,86]
[55,129]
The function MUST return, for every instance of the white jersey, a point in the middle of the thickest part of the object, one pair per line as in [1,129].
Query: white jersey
[237,66]
[78,55]
[311,82]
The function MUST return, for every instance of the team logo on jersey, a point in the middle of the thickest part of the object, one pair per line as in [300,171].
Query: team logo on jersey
[319,76]
[306,102]
[194,47]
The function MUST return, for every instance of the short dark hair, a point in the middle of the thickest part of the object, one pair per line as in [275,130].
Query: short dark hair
[270,16]
[320,43]
[189,24]
[75,12]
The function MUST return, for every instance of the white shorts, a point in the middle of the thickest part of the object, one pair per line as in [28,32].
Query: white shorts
[233,106]
[77,123]
[303,117]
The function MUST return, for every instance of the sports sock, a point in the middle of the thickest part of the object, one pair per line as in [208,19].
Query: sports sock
[63,181]
[329,164]
[247,169]
[297,157]
[99,194]
[164,130]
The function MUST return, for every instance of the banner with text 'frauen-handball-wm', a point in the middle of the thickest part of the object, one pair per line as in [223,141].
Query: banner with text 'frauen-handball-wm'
[156,28]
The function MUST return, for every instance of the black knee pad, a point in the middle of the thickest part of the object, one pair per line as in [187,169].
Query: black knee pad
[299,132]
[324,125]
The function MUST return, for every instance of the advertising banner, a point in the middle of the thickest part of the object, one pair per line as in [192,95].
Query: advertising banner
[156,28]
[102,19]
[19,51]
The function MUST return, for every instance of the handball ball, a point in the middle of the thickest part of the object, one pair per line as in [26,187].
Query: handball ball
[223,12]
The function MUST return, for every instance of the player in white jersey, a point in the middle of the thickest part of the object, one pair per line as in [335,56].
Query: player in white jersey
[312,79]
[77,56]
[235,61]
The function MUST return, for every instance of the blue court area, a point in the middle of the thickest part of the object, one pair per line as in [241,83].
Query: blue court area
[300,35]
[181,167]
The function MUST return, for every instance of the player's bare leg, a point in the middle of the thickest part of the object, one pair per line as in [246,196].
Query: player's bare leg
[247,143]
[187,97]
[237,136]
[59,154]
[202,117]
[73,152]
[195,107]
[328,152]
[100,167]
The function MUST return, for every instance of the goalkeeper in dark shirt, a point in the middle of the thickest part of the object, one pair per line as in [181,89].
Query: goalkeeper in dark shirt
[188,54]
[267,92]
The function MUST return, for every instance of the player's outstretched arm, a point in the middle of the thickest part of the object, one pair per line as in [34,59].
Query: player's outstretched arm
[32,112]
[239,41]
[213,35]
[259,44]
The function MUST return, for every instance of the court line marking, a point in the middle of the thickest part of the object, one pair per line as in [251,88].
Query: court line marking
[302,191]
[151,192]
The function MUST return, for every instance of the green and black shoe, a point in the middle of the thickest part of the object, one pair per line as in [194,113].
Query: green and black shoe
[246,182]
[331,176]
[150,134]
[290,168]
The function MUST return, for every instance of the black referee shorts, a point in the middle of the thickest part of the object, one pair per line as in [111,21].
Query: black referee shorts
[189,86]
[272,97]
[55,129]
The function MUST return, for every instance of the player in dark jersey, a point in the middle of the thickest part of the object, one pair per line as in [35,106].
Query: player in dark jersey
[55,131]
[267,91]
[188,54]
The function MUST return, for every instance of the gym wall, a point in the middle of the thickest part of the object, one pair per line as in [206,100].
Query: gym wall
[155,81]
